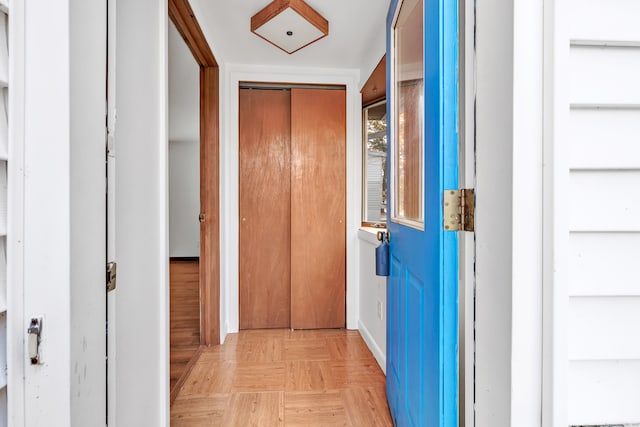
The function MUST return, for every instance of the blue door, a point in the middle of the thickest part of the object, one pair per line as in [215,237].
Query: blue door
[422,295]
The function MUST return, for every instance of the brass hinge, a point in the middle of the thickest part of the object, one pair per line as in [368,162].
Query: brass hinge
[459,210]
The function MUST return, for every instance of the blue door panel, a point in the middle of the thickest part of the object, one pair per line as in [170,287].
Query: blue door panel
[422,295]
[393,324]
[415,385]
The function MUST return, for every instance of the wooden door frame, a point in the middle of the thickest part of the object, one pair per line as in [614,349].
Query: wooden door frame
[184,19]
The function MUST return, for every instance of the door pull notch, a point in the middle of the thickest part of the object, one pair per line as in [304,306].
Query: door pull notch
[34,332]
[111,275]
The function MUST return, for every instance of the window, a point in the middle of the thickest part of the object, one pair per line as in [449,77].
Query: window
[375,165]
[408,111]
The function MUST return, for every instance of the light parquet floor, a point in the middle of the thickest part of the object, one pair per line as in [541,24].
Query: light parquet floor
[284,378]
[184,316]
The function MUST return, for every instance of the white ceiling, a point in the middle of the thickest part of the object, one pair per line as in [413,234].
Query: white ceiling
[356,34]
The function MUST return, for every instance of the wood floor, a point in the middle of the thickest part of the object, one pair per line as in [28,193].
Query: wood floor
[184,316]
[284,378]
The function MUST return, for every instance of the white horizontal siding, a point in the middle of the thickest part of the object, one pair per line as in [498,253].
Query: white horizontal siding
[4,127]
[374,188]
[603,136]
[606,21]
[604,328]
[602,75]
[599,264]
[605,392]
[607,200]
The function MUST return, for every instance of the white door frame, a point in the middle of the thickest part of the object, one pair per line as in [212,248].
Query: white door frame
[466,242]
[142,293]
[514,60]
[15,223]
[111,207]
[527,214]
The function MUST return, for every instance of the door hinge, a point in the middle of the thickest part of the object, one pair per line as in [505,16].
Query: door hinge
[459,210]
[111,276]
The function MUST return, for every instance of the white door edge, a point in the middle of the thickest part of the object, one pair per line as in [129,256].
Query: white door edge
[467,177]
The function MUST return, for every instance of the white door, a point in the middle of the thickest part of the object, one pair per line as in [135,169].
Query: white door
[111,208]
[64,243]
[63,283]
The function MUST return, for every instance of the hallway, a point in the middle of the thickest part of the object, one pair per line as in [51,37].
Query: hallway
[284,378]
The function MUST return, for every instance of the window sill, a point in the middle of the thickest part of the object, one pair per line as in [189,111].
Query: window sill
[370,234]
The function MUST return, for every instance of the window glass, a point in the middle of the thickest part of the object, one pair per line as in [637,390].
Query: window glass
[408,98]
[375,164]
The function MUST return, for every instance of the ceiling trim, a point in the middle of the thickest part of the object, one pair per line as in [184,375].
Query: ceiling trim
[375,89]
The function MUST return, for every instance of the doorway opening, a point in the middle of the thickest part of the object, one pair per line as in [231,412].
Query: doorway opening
[207,266]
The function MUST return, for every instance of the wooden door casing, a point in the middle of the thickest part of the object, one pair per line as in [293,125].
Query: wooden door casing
[184,19]
[265,208]
[318,208]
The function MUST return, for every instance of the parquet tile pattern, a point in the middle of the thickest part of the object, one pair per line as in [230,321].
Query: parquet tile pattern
[284,378]
[184,316]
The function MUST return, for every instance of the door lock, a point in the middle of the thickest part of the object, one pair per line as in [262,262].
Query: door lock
[33,342]
[384,236]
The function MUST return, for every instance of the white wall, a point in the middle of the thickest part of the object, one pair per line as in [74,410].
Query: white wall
[184,198]
[372,317]
[184,148]
[142,348]
[15,219]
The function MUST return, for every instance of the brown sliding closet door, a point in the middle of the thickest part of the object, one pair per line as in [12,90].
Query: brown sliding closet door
[265,208]
[318,208]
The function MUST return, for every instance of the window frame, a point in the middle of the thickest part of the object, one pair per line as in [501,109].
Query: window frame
[365,137]
[392,126]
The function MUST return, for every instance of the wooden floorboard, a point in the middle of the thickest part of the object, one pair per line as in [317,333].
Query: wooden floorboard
[184,323]
[284,378]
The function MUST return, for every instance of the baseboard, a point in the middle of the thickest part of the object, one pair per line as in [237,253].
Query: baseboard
[224,333]
[184,258]
[381,358]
